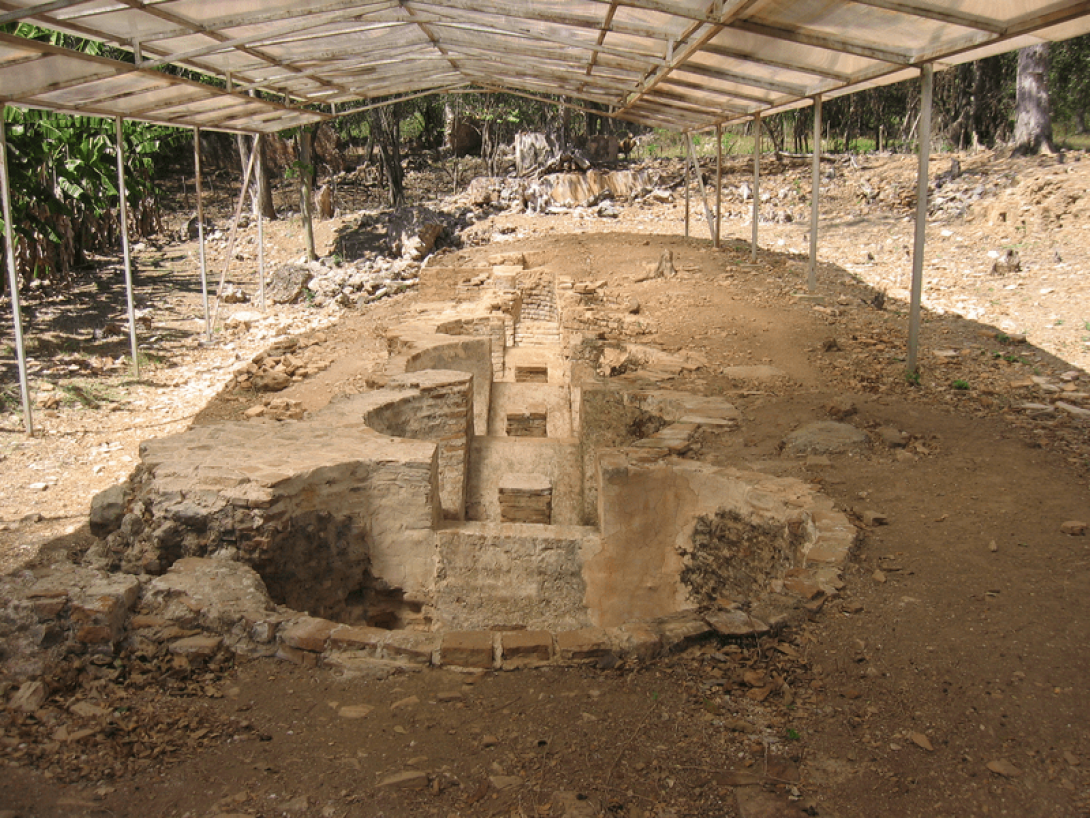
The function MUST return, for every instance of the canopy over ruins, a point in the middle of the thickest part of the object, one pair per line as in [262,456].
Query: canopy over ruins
[687,64]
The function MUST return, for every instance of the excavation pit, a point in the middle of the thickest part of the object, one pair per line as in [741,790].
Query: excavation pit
[485,489]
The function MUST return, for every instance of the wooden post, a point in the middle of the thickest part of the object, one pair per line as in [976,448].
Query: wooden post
[927,85]
[13,278]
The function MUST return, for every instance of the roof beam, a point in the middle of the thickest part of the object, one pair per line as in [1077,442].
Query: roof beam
[738,54]
[824,41]
[942,15]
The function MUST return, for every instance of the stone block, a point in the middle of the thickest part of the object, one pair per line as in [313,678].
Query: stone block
[357,637]
[637,640]
[526,498]
[736,623]
[196,646]
[679,631]
[581,644]
[413,646]
[467,649]
[309,633]
[525,648]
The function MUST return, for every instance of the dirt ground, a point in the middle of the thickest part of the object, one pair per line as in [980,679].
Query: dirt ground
[947,679]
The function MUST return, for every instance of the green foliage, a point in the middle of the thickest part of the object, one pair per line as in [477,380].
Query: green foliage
[63,176]
[961,385]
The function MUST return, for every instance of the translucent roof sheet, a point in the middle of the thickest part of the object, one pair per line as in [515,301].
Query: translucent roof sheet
[684,64]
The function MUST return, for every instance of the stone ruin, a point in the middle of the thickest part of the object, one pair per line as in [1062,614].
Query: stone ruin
[497,502]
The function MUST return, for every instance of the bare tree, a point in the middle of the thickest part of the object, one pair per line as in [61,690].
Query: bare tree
[1033,123]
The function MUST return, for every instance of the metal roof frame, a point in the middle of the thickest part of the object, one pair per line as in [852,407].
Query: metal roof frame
[685,64]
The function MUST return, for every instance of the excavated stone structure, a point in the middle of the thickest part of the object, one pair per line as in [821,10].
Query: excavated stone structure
[498,502]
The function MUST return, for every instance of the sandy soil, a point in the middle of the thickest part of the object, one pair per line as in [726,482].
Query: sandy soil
[948,678]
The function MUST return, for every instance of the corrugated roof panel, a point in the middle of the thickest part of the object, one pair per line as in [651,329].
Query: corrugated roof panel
[697,61]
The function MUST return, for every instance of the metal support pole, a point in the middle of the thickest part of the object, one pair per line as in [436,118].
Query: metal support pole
[815,195]
[13,278]
[703,190]
[200,230]
[756,179]
[718,183]
[927,85]
[234,234]
[688,180]
[123,193]
[260,242]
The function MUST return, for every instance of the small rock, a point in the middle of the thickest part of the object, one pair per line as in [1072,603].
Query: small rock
[873,518]
[407,780]
[826,437]
[891,437]
[920,740]
[355,711]
[29,697]
[840,408]
[1004,768]
[1074,528]
[408,701]
[504,782]
[1009,262]
[879,577]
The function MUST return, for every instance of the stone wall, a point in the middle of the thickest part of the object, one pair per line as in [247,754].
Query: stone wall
[434,405]
[494,576]
[326,510]
[557,461]
[649,508]
[419,350]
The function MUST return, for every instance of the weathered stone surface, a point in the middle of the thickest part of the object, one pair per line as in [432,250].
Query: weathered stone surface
[412,231]
[682,629]
[406,780]
[218,595]
[107,510]
[891,437]
[467,649]
[1074,528]
[585,643]
[754,802]
[525,648]
[30,696]
[357,637]
[287,283]
[526,498]
[412,646]
[735,623]
[196,646]
[637,640]
[826,437]
[309,633]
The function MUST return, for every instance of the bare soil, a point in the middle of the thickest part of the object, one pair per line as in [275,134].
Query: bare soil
[947,679]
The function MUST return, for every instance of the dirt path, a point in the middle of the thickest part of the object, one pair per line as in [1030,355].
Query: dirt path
[946,679]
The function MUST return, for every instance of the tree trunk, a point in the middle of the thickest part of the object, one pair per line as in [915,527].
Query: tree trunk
[385,131]
[260,186]
[1033,125]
